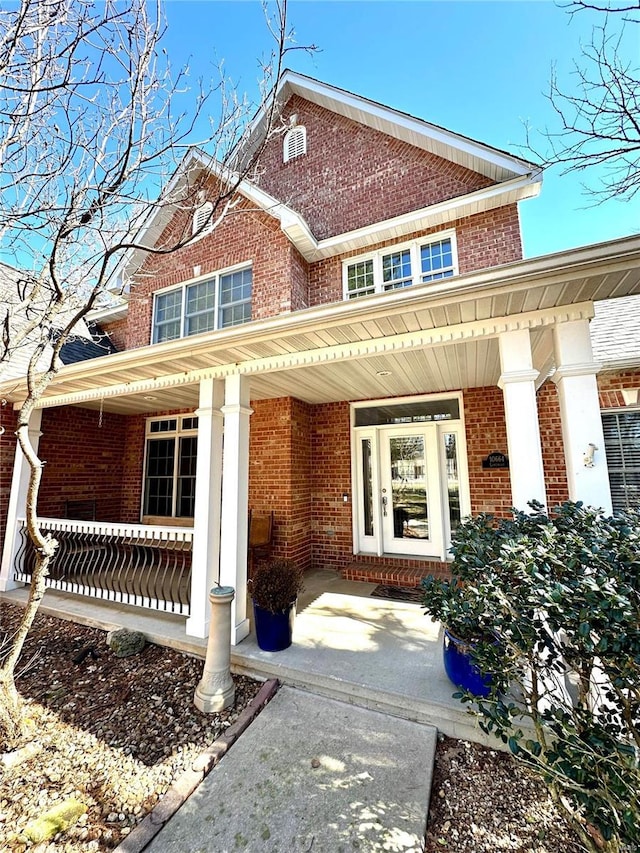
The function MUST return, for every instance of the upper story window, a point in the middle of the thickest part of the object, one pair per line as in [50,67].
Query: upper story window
[392,268]
[295,143]
[222,300]
[203,219]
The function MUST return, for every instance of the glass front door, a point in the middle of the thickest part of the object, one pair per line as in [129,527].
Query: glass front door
[409,492]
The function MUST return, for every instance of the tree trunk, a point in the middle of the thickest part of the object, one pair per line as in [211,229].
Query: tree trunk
[11,722]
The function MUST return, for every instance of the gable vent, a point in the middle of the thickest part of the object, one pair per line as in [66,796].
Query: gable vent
[295,143]
[200,218]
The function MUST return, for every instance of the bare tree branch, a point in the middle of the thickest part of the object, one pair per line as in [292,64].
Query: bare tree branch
[598,118]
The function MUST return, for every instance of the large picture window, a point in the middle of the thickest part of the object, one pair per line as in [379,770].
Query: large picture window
[622,444]
[392,268]
[220,301]
[171,449]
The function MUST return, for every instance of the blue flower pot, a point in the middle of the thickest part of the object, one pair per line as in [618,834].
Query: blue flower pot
[460,669]
[274,631]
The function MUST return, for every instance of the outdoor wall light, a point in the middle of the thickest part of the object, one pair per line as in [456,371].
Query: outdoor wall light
[588,456]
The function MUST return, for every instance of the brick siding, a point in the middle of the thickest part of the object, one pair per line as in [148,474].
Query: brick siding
[83,461]
[352,175]
[611,385]
[8,423]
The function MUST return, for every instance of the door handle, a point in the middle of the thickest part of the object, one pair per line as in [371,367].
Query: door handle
[384,505]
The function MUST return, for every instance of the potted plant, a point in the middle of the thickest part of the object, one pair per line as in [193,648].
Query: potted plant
[460,604]
[274,588]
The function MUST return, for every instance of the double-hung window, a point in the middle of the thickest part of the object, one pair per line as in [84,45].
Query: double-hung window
[171,449]
[429,259]
[219,301]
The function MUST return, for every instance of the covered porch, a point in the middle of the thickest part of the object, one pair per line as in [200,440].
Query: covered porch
[489,340]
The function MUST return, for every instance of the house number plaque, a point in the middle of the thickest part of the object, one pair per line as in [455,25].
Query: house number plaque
[496,460]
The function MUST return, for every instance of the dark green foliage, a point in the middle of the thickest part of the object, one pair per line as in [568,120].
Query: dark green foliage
[275,584]
[562,593]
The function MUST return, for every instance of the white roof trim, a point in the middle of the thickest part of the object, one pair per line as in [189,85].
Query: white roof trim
[492,162]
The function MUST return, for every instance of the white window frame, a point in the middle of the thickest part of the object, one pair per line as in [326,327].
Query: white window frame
[295,143]
[182,288]
[179,432]
[414,247]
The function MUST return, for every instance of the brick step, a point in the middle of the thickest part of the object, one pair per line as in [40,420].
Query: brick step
[409,577]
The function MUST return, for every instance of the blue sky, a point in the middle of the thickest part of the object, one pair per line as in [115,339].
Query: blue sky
[478,68]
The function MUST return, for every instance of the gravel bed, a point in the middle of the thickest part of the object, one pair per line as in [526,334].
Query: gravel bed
[115,732]
[482,801]
[110,732]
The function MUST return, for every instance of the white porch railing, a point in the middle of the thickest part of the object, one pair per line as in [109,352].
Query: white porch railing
[143,565]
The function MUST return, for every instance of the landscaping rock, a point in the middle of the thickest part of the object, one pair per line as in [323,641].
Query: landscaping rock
[58,819]
[124,643]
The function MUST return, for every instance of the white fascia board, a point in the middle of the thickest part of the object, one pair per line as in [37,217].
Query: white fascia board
[311,249]
[392,119]
[595,259]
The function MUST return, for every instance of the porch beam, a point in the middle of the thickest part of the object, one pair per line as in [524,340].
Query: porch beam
[421,339]
[234,535]
[518,384]
[582,433]
[205,565]
[18,504]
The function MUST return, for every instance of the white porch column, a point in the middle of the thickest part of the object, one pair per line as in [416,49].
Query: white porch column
[517,381]
[18,504]
[206,523]
[235,501]
[575,378]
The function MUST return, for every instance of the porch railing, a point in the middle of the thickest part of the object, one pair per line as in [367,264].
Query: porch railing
[144,565]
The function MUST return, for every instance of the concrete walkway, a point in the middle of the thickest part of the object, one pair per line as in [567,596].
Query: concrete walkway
[311,774]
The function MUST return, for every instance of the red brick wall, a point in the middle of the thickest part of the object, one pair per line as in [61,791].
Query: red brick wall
[486,431]
[352,176]
[485,240]
[279,473]
[83,461]
[117,332]
[244,236]
[8,422]
[610,386]
[555,472]
[331,478]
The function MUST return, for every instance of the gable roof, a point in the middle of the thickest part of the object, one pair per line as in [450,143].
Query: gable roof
[515,179]
[493,163]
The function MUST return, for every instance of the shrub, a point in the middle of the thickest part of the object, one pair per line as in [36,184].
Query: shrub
[276,584]
[562,591]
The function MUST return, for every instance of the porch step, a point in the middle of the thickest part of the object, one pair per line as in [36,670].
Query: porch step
[407,576]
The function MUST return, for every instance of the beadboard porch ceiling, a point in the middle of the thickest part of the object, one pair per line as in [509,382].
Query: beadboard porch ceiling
[425,338]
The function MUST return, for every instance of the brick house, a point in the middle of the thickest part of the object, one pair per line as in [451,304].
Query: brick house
[359,349]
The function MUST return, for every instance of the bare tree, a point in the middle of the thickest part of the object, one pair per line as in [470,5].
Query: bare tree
[92,124]
[599,117]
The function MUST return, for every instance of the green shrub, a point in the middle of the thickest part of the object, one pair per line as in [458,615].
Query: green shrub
[562,592]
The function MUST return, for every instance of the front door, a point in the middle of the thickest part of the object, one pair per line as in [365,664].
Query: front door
[410,483]
[409,491]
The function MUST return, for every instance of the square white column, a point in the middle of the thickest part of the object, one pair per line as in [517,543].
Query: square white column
[18,504]
[582,434]
[235,501]
[517,381]
[205,558]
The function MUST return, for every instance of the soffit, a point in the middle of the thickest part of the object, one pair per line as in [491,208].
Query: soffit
[442,331]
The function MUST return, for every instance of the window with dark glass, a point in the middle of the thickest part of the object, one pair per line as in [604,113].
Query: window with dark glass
[170,467]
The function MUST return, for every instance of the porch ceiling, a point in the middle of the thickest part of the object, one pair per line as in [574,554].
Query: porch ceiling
[430,337]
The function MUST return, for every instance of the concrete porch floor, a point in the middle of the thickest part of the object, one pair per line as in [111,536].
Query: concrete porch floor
[371,652]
